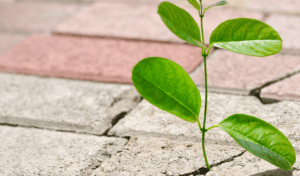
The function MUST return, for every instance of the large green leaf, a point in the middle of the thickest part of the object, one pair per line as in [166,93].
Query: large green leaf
[261,139]
[166,85]
[246,36]
[180,22]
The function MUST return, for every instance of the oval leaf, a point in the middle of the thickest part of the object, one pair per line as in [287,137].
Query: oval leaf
[194,3]
[247,36]
[180,22]
[166,85]
[261,139]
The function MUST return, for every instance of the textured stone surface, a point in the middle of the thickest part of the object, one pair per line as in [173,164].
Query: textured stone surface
[63,104]
[148,120]
[288,28]
[139,21]
[287,89]
[155,156]
[243,73]
[8,40]
[33,17]
[250,165]
[29,151]
[91,59]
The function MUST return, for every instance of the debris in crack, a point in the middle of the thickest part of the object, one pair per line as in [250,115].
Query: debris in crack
[200,171]
[117,118]
[256,92]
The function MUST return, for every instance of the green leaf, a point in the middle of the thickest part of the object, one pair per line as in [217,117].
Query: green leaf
[261,139]
[180,22]
[216,4]
[246,36]
[194,3]
[166,85]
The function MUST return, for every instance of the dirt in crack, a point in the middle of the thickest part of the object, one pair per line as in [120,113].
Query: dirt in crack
[204,170]
[117,118]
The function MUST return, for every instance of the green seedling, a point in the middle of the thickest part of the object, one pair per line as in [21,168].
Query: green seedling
[166,85]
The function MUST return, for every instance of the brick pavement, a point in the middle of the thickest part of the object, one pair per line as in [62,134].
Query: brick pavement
[63,111]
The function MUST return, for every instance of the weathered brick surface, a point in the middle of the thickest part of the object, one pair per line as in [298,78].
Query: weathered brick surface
[287,89]
[63,104]
[148,120]
[156,156]
[29,151]
[8,40]
[277,6]
[91,59]
[139,21]
[288,28]
[227,70]
[33,17]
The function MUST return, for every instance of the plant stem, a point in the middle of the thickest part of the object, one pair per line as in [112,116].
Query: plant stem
[205,109]
[204,54]
[199,125]
[211,127]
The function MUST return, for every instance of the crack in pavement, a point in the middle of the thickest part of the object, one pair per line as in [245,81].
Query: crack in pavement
[204,170]
[256,92]
[228,159]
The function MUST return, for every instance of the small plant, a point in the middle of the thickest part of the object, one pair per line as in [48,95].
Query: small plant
[166,85]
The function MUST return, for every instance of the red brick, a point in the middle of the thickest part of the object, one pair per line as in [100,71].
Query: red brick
[139,21]
[33,17]
[288,28]
[91,59]
[8,40]
[227,70]
[287,89]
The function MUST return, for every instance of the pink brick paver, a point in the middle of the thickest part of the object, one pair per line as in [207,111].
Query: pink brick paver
[33,16]
[8,40]
[287,6]
[288,26]
[287,89]
[91,59]
[139,21]
[227,70]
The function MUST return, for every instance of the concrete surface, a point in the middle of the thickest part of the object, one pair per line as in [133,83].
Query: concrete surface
[148,120]
[139,21]
[232,72]
[287,89]
[29,151]
[250,165]
[91,59]
[61,104]
[156,156]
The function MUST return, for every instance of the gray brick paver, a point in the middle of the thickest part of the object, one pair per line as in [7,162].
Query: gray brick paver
[158,123]
[62,104]
[29,151]
[156,156]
